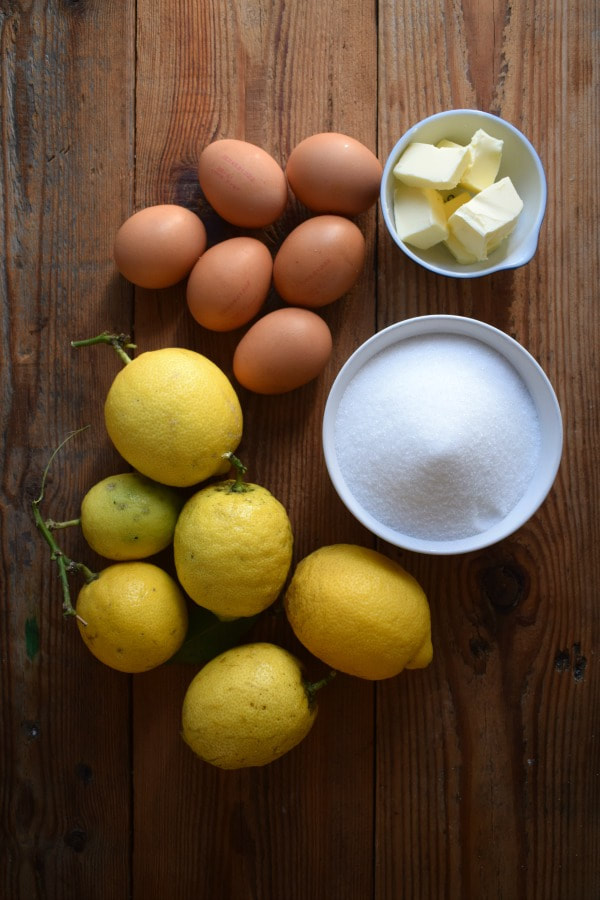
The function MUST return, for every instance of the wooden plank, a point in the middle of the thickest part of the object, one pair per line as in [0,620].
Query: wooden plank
[67,139]
[270,73]
[487,762]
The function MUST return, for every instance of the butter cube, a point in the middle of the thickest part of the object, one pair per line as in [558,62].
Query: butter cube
[446,143]
[450,191]
[454,201]
[419,216]
[428,166]
[485,153]
[487,219]
[449,194]
[460,253]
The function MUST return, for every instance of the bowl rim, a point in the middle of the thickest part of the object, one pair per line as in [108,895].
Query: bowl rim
[531,243]
[518,357]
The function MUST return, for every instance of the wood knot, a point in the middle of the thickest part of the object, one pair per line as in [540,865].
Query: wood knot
[76,839]
[76,7]
[504,586]
[84,773]
[183,182]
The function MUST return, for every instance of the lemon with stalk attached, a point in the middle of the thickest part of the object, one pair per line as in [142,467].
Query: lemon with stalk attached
[171,413]
[233,546]
[248,706]
[132,616]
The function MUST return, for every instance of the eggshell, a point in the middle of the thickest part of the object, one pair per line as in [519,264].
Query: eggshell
[331,172]
[157,246]
[319,261]
[229,283]
[282,351]
[242,182]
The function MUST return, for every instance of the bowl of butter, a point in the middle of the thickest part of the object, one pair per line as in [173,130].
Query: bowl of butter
[463,194]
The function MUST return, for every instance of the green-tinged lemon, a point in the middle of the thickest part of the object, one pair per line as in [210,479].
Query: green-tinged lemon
[129,516]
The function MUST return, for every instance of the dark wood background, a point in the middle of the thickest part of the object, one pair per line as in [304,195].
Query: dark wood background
[478,777]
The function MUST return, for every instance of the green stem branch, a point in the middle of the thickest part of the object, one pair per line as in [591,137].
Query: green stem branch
[55,526]
[239,485]
[119,343]
[313,687]
[64,564]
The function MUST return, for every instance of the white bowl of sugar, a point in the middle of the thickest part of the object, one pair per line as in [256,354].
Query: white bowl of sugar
[442,434]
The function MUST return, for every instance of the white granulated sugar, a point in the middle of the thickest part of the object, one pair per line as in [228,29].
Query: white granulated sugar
[437,437]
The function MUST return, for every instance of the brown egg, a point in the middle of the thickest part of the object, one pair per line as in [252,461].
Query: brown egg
[242,182]
[282,351]
[229,283]
[319,261]
[157,246]
[331,172]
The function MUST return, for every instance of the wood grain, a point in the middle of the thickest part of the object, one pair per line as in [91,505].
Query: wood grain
[67,151]
[478,777]
[496,723]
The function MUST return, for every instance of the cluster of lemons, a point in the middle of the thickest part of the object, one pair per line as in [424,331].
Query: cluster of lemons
[175,418]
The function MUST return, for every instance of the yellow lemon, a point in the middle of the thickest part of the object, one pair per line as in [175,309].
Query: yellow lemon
[129,516]
[132,617]
[172,414]
[247,707]
[360,612]
[233,548]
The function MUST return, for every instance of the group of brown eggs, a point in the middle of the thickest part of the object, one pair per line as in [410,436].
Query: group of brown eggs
[335,177]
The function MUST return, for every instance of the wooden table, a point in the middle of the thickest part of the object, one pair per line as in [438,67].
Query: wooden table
[478,777]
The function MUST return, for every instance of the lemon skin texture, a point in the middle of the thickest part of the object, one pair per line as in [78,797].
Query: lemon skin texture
[233,549]
[135,616]
[247,707]
[172,414]
[129,516]
[360,612]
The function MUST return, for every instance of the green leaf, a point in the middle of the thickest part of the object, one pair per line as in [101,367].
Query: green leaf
[207,636]
[32,638]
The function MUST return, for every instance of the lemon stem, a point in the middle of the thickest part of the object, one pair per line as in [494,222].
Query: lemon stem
[119,342]
[313,687]
[239,485]
[65,565]
[55,526]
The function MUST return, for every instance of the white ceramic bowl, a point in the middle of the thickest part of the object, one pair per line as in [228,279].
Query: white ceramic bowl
[538,386]
[519,161]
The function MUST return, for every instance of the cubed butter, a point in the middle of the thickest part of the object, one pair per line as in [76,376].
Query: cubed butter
[450,192]
[428,166]
[419,216]
[485,155]
[453,201]
[487,219]
[448,195]
[460,253]
[447,143]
